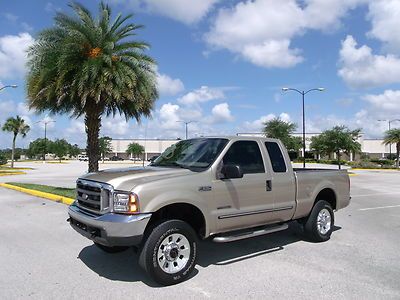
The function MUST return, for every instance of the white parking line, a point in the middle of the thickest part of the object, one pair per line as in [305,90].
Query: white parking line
[376,194]
[371,208]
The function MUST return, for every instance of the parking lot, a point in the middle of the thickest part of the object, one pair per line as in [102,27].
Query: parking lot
[42,257]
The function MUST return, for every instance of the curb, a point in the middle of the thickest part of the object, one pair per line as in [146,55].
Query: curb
[361,169]
[56,198]
[11,173]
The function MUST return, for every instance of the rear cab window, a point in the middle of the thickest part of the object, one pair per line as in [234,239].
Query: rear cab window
[275,154]
[247,155]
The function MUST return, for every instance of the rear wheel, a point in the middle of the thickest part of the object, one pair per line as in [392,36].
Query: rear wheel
[320,222]
[108,249]
[169,253]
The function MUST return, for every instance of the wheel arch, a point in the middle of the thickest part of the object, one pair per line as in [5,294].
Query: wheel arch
[183,211]
[328,194]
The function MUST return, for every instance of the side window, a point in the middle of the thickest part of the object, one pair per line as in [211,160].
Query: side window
[247,155]
[276,156]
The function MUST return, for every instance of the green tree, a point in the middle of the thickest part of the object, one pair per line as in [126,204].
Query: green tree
[135,149]
[337,140]
[15,126]
[279,129]
[318,145]
[3,159]
[38,147]
[74,150]
[60,148]
[104,146]
[87,66]
[392,136]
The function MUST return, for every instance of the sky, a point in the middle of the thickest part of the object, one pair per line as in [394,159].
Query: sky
[223,63]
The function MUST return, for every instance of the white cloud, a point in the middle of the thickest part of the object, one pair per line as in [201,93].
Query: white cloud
[221,114]
[257,125]
[115,126]
[168,86]
[388,102]
[361,68]
[385,19]
[261,31]
[185,11]
[169,116]
[13,54]
[203,94]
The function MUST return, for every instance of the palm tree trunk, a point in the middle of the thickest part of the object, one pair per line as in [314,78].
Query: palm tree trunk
[338,159]
[398,154]
[13,151]
[92,126]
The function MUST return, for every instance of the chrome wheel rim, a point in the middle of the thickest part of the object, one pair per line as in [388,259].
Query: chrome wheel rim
[173,253]
[324,221]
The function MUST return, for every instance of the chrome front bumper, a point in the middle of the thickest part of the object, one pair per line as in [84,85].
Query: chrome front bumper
[109,229]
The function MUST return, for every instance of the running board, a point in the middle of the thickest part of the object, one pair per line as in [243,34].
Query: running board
[249,234]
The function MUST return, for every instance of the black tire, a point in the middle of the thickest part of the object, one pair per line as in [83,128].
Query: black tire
[108,249]
[149,258]
[311,228]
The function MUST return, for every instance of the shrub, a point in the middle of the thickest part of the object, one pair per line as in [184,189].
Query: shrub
[3,159]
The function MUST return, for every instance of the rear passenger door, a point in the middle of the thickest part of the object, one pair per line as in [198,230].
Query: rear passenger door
[283,183]
[243,202]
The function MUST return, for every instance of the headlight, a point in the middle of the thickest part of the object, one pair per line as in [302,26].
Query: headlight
[125,203]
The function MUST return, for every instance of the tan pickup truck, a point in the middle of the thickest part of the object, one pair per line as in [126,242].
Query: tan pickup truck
[221,188]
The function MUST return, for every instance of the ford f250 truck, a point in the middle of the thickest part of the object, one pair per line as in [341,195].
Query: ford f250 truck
[221,188]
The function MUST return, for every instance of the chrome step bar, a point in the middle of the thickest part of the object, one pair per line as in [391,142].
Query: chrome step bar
[249,234]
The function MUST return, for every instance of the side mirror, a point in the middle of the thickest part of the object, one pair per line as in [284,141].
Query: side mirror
[231,172]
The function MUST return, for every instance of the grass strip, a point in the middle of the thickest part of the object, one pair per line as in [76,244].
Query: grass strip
[60,191]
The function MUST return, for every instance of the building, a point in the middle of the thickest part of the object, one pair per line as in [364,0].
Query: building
[374,148]
[152,147]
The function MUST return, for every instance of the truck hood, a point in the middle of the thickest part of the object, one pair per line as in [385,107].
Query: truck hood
[127,178]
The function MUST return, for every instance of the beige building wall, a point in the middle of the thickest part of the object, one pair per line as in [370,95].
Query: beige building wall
[152,147]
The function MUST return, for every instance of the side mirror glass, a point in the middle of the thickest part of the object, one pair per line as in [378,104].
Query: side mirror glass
[231,172]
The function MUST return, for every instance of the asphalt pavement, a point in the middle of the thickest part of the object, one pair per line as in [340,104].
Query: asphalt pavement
[41,257]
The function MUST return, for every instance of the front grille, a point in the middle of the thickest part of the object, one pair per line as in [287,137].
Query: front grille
[92,196]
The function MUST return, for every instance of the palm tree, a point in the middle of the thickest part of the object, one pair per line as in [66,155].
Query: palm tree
[85,66]
[392,136]
[135,149]
[16,126]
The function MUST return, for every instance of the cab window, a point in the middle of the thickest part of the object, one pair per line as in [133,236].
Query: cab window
[247,155]
[276,156]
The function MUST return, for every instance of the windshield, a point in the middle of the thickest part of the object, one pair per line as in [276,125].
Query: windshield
[191,154]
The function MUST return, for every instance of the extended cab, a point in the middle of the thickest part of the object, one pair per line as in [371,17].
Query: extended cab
[222,188]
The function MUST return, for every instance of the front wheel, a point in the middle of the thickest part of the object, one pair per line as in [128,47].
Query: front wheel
[169,253]
[320,222]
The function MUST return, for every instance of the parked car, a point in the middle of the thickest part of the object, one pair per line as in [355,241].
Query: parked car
[116,158]
[82,157]
[224,189]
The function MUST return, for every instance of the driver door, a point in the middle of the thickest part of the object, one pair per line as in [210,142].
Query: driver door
[243,202]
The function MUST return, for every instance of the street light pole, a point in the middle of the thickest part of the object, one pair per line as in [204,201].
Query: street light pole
[303,93]
[186,126]
[9,86]
[45,137]
[390,145]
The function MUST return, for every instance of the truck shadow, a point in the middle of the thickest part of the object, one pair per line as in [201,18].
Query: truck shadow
[124,266]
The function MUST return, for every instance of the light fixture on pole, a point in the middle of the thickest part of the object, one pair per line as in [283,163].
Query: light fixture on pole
[186,126]
[14,86]
[303,93]
[389,122]
[45,136]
